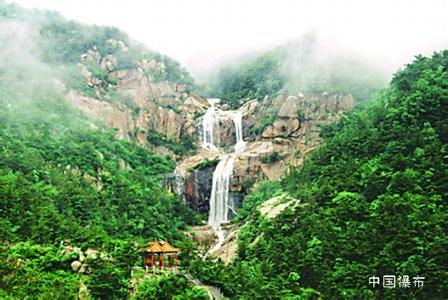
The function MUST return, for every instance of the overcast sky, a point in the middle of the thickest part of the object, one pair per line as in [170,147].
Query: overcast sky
[203,33]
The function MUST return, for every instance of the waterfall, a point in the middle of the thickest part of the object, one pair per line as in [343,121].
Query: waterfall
[238,120]
[219,199]
[220,202]
[209,122]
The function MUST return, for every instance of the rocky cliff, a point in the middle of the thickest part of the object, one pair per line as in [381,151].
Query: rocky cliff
[279,132]
[165,116]
[154,113]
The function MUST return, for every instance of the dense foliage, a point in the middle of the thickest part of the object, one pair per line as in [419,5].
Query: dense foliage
[65,179]
[373,201]
[299,67]
[253,78]
[81,184]
[62,181]
[169,287]
[184,147]
[28,269]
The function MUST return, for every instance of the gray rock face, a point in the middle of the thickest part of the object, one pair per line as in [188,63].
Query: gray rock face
[293,133]
[289,107]
[145,103]
[198,186]
[135,124]
[109,63]
[286,127]
[283,127]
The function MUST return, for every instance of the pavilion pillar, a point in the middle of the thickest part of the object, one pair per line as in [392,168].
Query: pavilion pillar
[151,261]
[161,261]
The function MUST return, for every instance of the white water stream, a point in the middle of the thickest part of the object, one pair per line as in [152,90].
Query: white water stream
[219,199]
[220,202]
[238,120]
[210,123]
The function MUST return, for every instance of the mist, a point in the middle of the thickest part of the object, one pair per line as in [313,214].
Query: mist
[203,34]
[22,74]
[31,90]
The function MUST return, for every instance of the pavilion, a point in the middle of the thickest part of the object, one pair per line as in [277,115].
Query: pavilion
[156,252]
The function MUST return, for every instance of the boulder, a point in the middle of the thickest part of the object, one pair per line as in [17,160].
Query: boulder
[225,106]
[228,250]
[204,235]
[167,123]
[92,254]
[278,102]
[274,206]
[76,265]
[82,269]
[195,104]
[81,257]
[290,107]
[248,109]
[67,249]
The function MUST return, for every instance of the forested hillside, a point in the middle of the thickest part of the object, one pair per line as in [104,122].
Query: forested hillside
[65,179]
[106,145]
[371,201]
[304,66]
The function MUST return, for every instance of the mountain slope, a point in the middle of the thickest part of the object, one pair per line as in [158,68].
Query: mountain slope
[68,185]
[371,201]
[300,67]
[108,76]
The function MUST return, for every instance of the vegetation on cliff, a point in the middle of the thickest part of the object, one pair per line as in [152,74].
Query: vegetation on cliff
[373,201]
[64,182]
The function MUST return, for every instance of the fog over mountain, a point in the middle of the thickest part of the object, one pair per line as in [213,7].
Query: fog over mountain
[223,149]
[201,34]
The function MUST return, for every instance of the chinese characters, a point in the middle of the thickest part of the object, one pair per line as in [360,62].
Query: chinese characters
[391,281]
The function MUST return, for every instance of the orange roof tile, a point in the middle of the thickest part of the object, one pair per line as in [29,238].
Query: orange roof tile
[166,247]
[154,247]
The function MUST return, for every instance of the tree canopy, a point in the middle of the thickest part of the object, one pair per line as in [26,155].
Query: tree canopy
[372,201]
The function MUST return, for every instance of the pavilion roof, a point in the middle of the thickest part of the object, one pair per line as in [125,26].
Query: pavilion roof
[166,247]
[162,247]
[154,247]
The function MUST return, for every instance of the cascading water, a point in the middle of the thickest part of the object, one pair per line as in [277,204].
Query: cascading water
[219,199]
[238,120]
[220,202]
[210,122]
